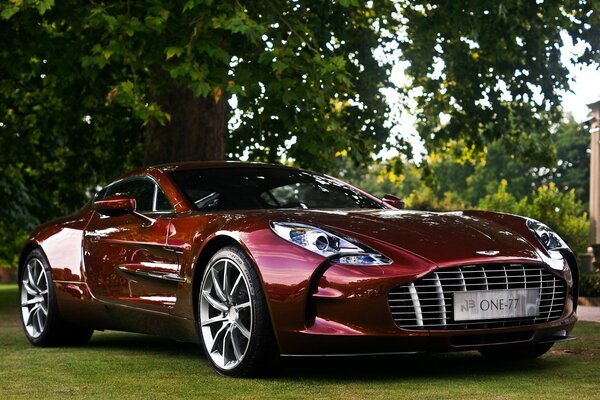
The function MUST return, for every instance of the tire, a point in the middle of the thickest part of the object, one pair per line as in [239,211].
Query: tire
[42,323]
[517,352]
[233,318]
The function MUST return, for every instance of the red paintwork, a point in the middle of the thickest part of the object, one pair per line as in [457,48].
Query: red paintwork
[315,306]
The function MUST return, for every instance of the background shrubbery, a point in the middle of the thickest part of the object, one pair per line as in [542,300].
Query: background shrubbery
[589,285]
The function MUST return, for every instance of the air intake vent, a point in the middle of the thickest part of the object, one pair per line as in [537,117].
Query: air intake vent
[428,302]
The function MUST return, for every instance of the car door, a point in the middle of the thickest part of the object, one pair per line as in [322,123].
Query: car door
[126,258]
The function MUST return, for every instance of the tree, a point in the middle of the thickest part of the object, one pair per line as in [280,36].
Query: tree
[296,70]
[474,179]
[485,70]
[572,169]
[304,73]
[55,144]
[89,89]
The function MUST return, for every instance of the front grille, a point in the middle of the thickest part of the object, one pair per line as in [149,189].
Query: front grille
[428,302]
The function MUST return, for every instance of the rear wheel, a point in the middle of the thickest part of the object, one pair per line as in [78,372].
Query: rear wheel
[41,320]
[233,317]
[517,352]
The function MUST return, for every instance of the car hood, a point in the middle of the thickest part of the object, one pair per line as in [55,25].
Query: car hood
[441,238]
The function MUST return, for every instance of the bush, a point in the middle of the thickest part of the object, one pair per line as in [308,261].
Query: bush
[424,199]
[589,285]
[12,239]
[503,201]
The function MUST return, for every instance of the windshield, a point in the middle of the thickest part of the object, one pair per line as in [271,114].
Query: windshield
[221,189]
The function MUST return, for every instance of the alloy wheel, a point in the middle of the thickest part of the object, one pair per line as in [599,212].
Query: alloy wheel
[225,313]
[34,298]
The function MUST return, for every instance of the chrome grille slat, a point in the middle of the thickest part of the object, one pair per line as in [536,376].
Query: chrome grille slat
[437,308]
[553,294]
[416,304]
[450,298]
[462,283]
[519,268]
[427,303]
[435,291]
[485,278]
[424,312]
[494,283]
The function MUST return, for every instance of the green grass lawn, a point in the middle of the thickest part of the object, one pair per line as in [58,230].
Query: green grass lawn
[122,365]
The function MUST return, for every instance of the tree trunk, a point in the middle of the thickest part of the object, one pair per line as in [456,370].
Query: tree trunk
[196,131]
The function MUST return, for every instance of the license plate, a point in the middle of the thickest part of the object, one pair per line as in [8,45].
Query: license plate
[495,304]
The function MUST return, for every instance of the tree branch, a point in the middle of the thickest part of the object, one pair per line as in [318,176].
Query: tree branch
[282,19]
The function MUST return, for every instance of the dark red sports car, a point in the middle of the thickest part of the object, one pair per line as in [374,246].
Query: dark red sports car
[256,261]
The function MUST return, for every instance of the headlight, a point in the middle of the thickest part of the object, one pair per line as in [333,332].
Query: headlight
[546,236]
[339,249]
[551,242]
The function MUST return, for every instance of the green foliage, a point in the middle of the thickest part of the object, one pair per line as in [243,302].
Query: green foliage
[426,200]
[59,137]
[503,201]
[589,285]
[475,175]
[380,179]
[317,85]
[572,170]
[297,71]
[493,67]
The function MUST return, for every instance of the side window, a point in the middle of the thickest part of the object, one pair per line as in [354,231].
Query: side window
[148,197]
[162,202]
[142,190]
[115,188]
[100,195]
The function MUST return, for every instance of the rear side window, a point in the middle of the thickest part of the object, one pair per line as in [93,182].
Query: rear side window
[162,202]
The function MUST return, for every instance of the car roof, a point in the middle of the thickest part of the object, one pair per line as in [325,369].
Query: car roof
[190,165]
[214,164]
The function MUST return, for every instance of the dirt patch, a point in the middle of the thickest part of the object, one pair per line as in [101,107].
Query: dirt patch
[561,352]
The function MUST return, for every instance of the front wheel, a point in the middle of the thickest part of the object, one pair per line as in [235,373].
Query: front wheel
[233,317]
[42,322]
[517,352]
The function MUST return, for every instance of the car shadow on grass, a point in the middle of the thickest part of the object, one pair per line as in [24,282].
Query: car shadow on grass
[371,368]
[133,342]
[448,365]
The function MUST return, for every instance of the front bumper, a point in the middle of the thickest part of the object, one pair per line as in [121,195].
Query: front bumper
[430,342]
[347,312]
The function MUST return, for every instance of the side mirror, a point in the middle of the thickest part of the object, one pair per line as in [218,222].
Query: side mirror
[393,201]
[117,204]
